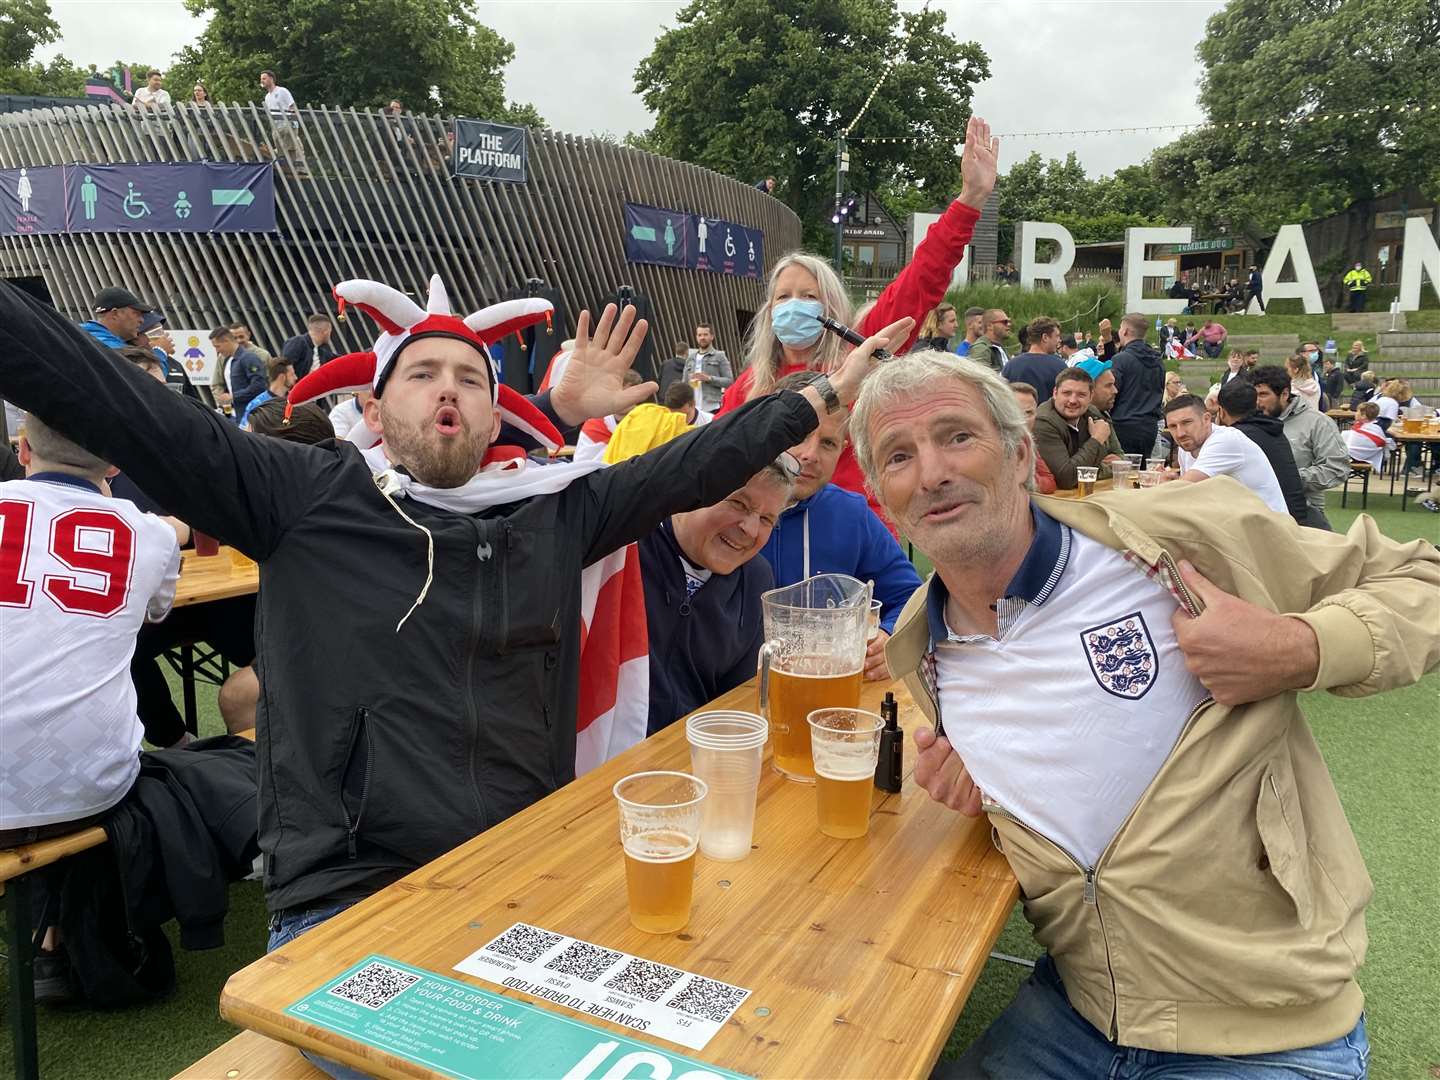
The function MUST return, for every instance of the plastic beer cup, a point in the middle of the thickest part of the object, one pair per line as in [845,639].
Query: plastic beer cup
[660,830]
[725,752]
[845,744]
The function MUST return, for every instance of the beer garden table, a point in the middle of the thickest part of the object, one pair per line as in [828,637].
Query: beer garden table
[204,578]
[1429,438]
[859,954]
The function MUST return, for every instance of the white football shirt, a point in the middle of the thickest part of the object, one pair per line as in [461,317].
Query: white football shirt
[1228,452]
[1066,717]
[79,575]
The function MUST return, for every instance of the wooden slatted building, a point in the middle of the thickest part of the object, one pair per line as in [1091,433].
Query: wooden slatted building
[377,200]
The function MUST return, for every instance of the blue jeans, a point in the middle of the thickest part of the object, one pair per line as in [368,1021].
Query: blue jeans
[1041,1037]
[284,929]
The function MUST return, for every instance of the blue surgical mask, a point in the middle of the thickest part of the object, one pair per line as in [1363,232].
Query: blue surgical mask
[794,322]
[1312,356]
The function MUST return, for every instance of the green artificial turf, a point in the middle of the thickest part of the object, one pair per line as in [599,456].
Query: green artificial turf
[1382,752]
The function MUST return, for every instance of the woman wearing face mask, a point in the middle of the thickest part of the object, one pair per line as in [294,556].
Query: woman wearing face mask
[785,335]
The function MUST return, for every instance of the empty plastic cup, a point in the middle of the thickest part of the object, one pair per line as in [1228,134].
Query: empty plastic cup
[725,752]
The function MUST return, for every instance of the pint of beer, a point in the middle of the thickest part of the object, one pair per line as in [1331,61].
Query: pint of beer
[660,831]
[813,658]
[845,744]
[1085,477]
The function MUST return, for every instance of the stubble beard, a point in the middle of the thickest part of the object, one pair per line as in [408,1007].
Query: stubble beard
[434,461]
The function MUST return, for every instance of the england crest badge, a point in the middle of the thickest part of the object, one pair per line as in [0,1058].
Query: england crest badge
[1122,656]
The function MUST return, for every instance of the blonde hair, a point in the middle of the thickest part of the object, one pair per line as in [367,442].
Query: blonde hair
[1297,366]
[1393,389]
[763,351]
[931,326]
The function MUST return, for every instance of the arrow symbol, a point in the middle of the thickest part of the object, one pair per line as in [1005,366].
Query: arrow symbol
[643,232]
[231,197]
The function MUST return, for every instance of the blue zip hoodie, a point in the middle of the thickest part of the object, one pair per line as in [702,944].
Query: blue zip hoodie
[845,538]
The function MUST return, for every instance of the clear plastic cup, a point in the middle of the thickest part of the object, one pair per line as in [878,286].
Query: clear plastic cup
[1137,461]
[725,751]
[1155,464]
[660,830]
[1120,475]
[845,744]
[1085,477]
[1150,478]
[873,627]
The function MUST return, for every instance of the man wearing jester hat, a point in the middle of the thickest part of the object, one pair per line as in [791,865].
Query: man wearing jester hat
[441,698]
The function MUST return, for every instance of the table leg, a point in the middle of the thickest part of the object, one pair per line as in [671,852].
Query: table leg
[22,978]
[187,684]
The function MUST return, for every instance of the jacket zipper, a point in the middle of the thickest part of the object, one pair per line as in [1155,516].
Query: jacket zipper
[471,712]
[1091,873]
[1177,584]
[352,828]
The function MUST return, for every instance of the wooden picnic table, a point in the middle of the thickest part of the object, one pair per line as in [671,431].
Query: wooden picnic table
[859,954]
[1074,493]
[215,577]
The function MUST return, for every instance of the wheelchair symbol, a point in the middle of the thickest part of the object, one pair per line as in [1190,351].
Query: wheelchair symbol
[134,206]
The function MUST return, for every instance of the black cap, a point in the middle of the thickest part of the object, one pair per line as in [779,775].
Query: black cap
[152,319]
[116,297]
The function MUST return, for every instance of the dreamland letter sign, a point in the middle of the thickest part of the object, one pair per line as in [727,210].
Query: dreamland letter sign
[1290,251]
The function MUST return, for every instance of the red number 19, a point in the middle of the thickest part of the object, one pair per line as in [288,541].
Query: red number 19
[112,561]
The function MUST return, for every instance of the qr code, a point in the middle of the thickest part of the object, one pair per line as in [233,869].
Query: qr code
[644,979]
[375,985]
[708,999]
[522,942]
[584,961]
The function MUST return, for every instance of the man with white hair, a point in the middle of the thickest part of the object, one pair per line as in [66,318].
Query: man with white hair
[1113,681]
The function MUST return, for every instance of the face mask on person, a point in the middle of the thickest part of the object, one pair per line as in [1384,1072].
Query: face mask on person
[1312,356]
[794,322]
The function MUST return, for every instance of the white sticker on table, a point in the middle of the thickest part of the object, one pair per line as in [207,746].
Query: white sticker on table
[607,984]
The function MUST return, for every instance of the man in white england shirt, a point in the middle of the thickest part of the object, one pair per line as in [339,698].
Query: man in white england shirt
[1206,449]
[151,96]
[285,121]
[1116,678]
[81,574]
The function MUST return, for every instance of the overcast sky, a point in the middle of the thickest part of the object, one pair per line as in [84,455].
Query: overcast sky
[1055,64]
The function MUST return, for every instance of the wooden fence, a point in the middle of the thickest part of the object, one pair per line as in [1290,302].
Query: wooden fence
[376,199]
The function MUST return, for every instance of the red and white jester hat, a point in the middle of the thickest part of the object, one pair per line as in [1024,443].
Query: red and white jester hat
[403,321]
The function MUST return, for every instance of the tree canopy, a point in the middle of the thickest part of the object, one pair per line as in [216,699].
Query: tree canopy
[754,88]
[431,54]
[26,25]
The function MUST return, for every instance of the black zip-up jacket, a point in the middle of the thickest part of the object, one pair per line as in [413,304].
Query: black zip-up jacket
[1268,433]
[1139,384]
[381,748]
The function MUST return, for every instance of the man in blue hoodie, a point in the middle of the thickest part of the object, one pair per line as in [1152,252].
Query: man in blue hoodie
[118,314]
[829,530]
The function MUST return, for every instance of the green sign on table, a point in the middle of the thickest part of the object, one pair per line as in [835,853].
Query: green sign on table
[460,1031]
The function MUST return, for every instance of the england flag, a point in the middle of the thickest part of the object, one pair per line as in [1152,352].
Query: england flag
[614,704]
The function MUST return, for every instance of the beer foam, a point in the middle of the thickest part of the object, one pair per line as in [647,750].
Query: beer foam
[661,846]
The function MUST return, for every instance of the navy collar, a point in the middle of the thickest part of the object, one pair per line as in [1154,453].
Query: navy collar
[1034,581]
[64,478]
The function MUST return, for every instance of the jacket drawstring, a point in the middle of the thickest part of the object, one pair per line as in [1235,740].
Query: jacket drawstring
[387,483]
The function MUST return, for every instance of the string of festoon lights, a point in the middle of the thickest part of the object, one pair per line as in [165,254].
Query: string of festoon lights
[1141,129]
[889,67]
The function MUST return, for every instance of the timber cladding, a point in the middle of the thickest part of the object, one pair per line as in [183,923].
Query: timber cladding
[375,199]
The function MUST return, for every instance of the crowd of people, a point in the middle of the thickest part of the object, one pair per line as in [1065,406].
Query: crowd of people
[439,510]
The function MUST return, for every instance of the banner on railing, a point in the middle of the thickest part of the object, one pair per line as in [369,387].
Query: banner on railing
[486,151]
[198,197]
[692,241]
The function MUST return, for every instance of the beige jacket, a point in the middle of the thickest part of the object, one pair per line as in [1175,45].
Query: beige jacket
[1226,916]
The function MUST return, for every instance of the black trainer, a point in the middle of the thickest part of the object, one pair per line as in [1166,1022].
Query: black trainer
[54,980]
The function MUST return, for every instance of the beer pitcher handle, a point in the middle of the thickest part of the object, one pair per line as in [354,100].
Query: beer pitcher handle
[767,650]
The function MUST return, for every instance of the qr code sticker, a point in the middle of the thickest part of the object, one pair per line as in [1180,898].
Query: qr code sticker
[375,985]
[644,979]
[522,942]
[708,999]
[584,961]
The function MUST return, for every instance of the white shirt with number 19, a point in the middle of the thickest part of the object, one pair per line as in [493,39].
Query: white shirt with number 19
[79,575]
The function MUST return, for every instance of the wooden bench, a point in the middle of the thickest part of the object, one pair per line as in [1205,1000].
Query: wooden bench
[252,1056]
[1361,471]
[16,866]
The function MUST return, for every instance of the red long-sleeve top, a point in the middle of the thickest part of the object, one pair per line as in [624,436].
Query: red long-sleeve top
[915,292]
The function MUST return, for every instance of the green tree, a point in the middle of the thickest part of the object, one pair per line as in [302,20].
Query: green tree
[431,54]
[762,87]
[1296,59]
[26,25]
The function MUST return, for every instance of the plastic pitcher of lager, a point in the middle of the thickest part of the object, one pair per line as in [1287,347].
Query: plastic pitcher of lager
[813,658]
